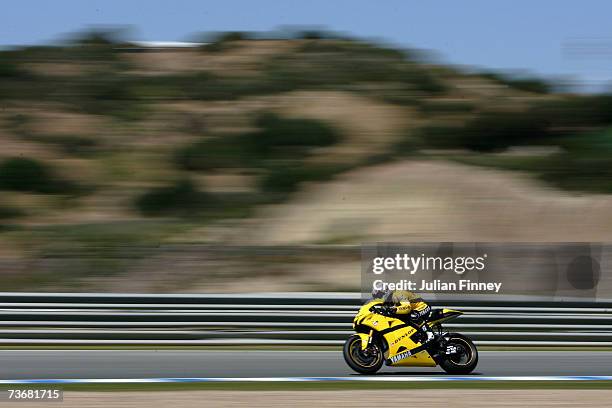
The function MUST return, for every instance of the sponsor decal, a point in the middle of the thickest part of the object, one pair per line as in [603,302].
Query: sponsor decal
[400,356]
[399,339]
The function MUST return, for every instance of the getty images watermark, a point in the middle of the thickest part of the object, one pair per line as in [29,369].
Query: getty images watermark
[412,264]
[539,269]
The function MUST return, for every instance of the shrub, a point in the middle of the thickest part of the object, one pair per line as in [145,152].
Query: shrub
[217,153]
[277,138]
[108,94]
[233,36]
[552,122]
[498,130]
[285,178]
[577,111]
[584,164]
[422,80]
[530,85]
[178,199]
[446,107]
[522,83]
[10,70]
[10,212]
[437,137]
[24,174]
[330,63]
[277,133]
[225,41]
[491,131]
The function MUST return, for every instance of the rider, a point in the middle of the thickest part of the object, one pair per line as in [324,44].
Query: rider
[404,303]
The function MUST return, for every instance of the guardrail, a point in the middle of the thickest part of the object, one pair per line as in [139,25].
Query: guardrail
[278,319]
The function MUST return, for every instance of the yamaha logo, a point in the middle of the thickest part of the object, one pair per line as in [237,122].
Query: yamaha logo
[400,356]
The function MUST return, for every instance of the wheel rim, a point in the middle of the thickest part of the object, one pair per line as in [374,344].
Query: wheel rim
[464,355]
[365,358]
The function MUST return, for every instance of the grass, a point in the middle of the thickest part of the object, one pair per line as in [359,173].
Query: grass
[85,250]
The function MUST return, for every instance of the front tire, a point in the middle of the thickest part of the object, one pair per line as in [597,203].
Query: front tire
[463,362]
[366,361]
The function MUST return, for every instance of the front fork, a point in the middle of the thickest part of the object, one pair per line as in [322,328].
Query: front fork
[366,339]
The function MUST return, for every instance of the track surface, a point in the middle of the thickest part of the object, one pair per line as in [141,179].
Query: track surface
[30,364]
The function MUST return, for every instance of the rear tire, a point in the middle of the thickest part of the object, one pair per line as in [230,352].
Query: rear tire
[366,361]
[463,362]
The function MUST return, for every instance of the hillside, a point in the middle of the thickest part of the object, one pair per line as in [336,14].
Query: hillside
[113,153]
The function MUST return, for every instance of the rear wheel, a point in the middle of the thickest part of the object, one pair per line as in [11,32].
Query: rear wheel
[464,361]
[366,361]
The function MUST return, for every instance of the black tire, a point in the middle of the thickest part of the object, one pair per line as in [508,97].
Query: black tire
[363,363]
[464,362]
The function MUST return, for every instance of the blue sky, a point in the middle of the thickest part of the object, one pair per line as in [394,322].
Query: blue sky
[555,38]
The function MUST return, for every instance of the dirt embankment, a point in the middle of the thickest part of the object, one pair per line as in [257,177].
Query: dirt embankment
[366,399]
[430,200]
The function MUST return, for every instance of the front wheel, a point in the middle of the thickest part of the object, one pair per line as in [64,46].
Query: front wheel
[464,360]
[366,361]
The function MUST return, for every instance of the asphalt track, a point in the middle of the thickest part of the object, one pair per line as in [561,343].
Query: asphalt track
[125,364]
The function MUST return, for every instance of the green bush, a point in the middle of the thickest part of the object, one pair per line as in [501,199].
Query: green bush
[277,138]
[224,41]
[437,137]
[203,86]
[286,177]
[547,123]
[493,131]
[322,64]
[278,134]
[577,112]
[7,212]
[108,94]
[530,85]
[584,164]
[422,80]
[179,199]
[446,107]
[521,83]
[233,36]
[580,172]
[217,153]
[10,70]
[330,63]
[24,174]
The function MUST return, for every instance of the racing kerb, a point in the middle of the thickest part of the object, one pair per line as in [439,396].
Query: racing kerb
[279,319]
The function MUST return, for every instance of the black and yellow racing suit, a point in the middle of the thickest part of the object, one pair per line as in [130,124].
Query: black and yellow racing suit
[408,304]
[405,302]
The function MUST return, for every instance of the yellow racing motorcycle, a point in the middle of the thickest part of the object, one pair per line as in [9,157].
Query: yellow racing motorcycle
[383,337]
